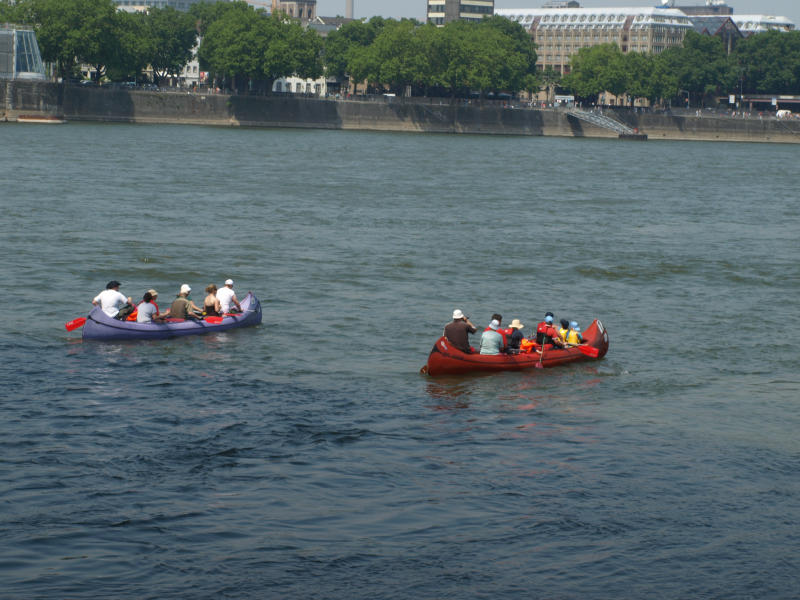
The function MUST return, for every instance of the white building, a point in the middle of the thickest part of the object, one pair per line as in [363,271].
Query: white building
[750,24]
[297,85]
[142,5]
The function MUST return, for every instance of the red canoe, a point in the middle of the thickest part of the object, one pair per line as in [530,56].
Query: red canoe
[446,360]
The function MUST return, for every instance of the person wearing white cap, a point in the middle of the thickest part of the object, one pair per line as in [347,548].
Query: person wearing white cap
[492,341]
[458,330]
[182,307]
[227,296]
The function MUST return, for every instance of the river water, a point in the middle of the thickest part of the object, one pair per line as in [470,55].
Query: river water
[308,458]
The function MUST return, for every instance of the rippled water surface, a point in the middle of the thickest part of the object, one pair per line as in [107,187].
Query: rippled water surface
[308,458]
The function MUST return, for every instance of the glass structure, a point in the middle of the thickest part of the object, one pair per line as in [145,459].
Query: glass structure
[19,54]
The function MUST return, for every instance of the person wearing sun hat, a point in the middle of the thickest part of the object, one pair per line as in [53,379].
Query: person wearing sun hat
[516,335]
[227,296]
[457,331]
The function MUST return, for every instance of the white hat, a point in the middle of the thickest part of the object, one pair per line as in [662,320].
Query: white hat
[229,282]
[515,324]
[494,324]
[185,289]
[457,314]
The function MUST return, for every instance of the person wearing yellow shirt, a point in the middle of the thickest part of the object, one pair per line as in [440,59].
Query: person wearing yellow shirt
[574,336]
[564,331]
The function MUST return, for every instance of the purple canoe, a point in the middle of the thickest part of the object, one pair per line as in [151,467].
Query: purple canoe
[99,326]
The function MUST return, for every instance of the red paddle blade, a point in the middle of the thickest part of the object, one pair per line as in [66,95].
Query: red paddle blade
[75,323]
[589,351]
[214,320]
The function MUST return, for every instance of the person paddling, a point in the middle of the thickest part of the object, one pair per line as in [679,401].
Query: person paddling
[182,307]
[112,302]
[546,333]
[227,297]
[147,311]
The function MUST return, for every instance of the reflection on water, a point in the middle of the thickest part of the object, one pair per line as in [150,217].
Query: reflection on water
[637,476]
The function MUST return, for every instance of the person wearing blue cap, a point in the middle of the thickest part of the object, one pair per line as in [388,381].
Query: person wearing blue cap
[574,337]
[546,333]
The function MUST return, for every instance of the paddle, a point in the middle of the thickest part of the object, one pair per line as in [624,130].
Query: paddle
[75,323]
[588,351]
[539,365]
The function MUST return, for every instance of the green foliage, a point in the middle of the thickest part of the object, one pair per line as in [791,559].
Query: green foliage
[248,45]
[9,12]
[495,54]
[341,46]
[172,36]
[132,52]
[596,70]
[71,32]
[769,63]
[701,68]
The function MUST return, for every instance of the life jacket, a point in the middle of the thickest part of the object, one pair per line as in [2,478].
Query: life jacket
[574,337]
[526,345]
[503,333]
[563,333]
[545,333]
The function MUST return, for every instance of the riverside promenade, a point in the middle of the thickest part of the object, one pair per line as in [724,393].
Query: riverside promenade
[107,104]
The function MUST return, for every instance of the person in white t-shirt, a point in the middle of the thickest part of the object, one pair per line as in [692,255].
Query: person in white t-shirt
[227,296]
[111,300]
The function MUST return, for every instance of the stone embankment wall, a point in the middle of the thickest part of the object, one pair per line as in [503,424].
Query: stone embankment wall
[77,103]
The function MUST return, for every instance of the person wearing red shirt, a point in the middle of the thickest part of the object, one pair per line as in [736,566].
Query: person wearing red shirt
[547,334]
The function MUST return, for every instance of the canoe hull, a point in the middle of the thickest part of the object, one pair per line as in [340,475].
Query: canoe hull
[99,326]
[447,360]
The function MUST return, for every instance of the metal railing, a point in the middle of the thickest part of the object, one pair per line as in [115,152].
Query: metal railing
[601,120]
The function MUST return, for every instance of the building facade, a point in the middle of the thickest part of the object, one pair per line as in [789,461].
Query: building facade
[19,54]
[441,12]
[751,24]
[560,33]
[142,5]
[305,10]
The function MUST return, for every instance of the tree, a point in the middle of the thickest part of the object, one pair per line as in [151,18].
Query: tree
[9,12]
[172,36]
[133,48]
[246,45]
[702,66]
[341,44]
[206,13]
[769,62]
[596,70]
[638,70]
[71,32]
